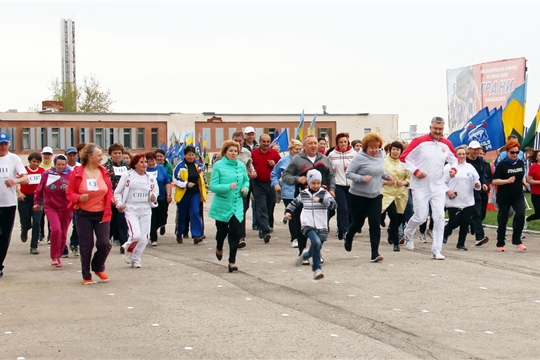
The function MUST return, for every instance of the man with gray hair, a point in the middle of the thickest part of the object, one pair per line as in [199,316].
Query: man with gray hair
[296,174]
[425,158]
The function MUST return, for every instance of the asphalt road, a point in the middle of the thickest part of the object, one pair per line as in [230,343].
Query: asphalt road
[183,304]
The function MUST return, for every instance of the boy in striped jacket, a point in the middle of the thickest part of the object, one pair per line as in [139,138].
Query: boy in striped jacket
[315,201]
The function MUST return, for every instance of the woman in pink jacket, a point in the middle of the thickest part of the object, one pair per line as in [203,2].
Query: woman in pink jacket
[52,189]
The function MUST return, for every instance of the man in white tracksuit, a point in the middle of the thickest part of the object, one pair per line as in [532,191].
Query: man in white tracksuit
[425,158]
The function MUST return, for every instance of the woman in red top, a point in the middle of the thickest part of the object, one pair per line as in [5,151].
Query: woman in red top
[533,178]
[30,220]
[90,196]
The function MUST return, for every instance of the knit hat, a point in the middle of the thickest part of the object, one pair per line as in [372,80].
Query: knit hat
[313,175]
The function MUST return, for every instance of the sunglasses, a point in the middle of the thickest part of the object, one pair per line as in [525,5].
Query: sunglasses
[513,152]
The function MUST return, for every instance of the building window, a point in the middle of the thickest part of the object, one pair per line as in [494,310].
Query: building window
[70,137]
[207,138]
[126,137]
[367,131]
[26,138]
[111,136]
[82,135]
[140,138]
[55,138]
[272,133]
[219,137]
[98,137]
[155,138]
[43,137]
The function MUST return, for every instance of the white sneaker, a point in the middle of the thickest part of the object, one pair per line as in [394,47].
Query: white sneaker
[409,243]
[437,256]
[300,258]
[294,243]
[422,237]
[136,264]
[318,274]
[127,255]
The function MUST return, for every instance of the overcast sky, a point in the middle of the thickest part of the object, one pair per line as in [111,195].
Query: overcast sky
[267,57]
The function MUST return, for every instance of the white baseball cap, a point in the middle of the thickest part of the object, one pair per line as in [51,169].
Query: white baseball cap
[474,145]
[249,129]
[47,150]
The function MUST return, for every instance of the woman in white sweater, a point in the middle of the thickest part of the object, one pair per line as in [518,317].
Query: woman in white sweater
[460,196]
[340,158]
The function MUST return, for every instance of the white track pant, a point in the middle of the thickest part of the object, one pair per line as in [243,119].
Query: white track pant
[138,222]
[421,201]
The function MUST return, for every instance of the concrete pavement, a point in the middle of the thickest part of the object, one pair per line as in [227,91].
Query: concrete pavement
[183,304]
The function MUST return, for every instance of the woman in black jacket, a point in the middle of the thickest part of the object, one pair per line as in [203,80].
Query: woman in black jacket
[508,178]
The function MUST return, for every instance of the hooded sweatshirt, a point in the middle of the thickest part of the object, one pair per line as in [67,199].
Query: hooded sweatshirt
[361,166]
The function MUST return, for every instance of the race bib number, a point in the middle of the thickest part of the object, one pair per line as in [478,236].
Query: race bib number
[140,196]
[92,185]
[119,170]
[34,179]
[4,172]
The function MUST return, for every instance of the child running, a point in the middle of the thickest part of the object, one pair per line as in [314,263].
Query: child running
[314,219]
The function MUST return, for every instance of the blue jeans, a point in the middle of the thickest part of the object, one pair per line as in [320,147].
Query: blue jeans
[314,250]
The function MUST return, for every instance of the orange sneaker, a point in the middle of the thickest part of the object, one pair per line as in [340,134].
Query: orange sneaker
[500,248]
[87,282]
[521,247]
[102,275]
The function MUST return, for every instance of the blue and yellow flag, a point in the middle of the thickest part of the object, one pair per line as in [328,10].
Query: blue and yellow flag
[513,115]
[188,139]
[312,125]
[300,129]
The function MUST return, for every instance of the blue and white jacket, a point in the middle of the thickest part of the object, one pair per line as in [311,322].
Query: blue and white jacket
[314,215]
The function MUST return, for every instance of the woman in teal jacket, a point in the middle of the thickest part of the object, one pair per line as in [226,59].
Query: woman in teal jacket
[229,183]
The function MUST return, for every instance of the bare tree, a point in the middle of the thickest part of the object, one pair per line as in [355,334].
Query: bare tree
[85,98]
[93,98]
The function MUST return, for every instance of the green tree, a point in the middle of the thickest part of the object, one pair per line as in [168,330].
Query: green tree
[88,97]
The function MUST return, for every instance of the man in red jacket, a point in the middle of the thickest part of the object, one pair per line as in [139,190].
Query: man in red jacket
[264,159]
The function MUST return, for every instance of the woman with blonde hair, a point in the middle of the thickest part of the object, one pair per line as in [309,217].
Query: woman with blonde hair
[229,183]
[90,196]
[396,192]
[287,191]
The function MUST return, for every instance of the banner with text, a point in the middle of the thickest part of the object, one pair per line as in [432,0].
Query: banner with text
[472,88]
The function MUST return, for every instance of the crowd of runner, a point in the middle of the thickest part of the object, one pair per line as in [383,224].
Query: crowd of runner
[125,200]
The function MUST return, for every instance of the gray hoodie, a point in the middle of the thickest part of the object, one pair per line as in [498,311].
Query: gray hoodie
[362,165]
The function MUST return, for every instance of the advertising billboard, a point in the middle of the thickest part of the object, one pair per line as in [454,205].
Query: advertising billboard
[474,87]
